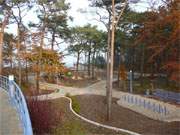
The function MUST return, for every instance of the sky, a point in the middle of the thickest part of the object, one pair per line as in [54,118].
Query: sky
[79,19]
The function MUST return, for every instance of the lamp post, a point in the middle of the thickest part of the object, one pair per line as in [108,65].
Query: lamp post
[130,78]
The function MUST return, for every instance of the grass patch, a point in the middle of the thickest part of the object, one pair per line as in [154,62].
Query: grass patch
[75,103]
[70,128]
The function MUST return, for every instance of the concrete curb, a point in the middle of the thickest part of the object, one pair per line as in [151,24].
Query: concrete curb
[90,121]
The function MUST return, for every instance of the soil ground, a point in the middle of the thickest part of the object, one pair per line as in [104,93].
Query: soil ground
[93,107]
[62,104]
[78,83]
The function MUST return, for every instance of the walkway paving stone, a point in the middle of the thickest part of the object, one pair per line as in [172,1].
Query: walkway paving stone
[9,120]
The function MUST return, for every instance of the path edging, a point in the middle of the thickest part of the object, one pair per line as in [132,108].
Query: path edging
[96,123]
[93,122]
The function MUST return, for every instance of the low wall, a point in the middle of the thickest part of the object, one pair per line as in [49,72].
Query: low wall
[149,107]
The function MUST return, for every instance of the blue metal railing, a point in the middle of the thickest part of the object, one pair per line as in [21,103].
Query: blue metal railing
[4,83]
[18,100]
[146,104]
[167,95]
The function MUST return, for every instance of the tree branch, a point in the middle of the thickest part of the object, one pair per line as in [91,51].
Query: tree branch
[126,2]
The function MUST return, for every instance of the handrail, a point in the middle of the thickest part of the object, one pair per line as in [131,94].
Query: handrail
[18,100]
[4,83]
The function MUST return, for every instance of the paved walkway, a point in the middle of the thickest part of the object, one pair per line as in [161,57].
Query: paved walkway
[63,90]
[99,88]
[9,120]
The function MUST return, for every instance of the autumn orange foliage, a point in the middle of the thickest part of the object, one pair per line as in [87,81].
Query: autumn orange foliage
[161,34]
[122,73]
[51,61]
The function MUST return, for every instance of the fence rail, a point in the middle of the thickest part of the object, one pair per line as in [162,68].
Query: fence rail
[18,101]
[167,95]
[4,83]
[146,104]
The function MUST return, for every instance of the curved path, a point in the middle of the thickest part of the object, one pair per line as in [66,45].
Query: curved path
[99,88]
[99,124]
[128,132]
[9,120]
[95,89]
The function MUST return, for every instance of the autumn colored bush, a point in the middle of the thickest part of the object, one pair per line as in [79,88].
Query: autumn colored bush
[44,116]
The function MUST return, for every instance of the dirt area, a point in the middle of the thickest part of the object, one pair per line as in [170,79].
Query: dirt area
[46,92]
[62,104]
[33,92]
[94,108]
[77,83]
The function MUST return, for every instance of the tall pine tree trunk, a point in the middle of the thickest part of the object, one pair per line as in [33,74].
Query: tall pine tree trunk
[108,96]
[39,66]
[77,65]
[11,63]
[3,25]
[37,77]
[118,79]
[89,63]
[19,56]
[85,64]
[142,65]
[27,71]
[93,64]
[53,40]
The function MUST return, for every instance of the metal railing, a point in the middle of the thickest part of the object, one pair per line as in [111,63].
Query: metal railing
[146,104]
[167,95]
[4,83]
[18,101]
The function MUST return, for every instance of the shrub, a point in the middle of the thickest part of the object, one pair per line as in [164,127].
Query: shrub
[68,95]
[69,74]
[44,116]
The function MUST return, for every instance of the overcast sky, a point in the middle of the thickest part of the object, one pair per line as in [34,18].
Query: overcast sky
[79,19]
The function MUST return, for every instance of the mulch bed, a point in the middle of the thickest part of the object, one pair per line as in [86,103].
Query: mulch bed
[62,105]
[42,92]
[46,92]
[77,83]
[94,108]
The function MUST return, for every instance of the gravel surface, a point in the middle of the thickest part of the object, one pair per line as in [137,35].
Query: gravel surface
[94,108]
